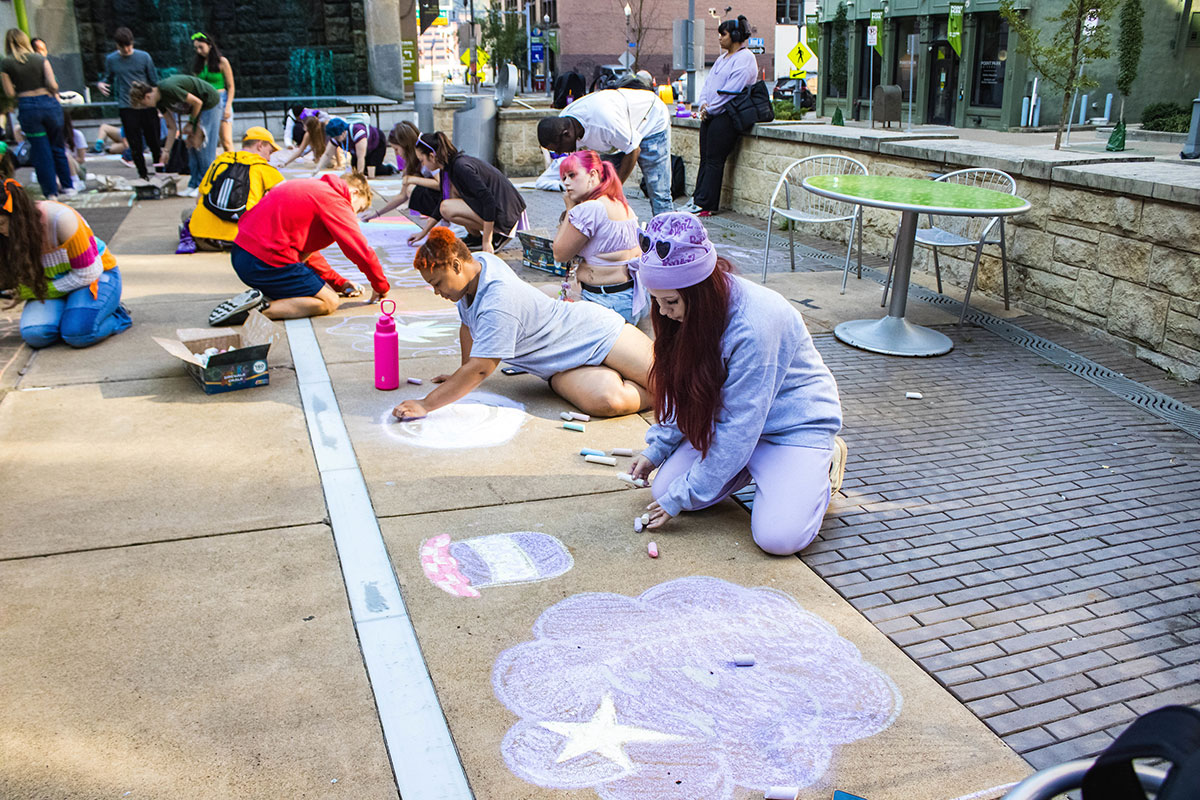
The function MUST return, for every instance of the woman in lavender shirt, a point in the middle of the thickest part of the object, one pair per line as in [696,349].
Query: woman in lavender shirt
[733,71]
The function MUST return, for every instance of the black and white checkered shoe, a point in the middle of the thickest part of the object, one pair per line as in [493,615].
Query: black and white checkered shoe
[235,310]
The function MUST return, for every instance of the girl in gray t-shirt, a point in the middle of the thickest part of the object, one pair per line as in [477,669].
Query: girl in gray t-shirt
[590,356]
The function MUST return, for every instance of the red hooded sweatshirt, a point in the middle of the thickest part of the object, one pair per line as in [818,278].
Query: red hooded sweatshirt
[298,218]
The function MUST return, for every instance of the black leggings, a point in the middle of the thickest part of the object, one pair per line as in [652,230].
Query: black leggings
[141,129]
[374,157]
[425,201]
[718,137]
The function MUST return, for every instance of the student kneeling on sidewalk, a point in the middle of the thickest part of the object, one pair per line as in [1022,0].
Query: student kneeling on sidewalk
[233,185]
[276,252]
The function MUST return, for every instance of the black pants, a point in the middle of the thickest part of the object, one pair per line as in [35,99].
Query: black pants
[374,157]
[718,137]
[141,129]
[425,201]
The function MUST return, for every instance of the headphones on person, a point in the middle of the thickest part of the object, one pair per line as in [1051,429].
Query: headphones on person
[738,29]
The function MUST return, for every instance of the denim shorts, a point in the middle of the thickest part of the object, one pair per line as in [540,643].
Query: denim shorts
[277,283]
[620,302]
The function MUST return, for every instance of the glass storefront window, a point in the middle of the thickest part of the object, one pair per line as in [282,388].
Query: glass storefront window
[902,62]
[991,52]
[864,66]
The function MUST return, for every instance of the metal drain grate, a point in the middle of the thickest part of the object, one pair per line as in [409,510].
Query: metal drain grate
[1165,407]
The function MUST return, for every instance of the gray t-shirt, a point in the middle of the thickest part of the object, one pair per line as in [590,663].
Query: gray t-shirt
[515,322]
[121,71]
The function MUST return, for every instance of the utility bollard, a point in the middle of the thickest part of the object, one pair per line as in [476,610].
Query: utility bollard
[1191,149]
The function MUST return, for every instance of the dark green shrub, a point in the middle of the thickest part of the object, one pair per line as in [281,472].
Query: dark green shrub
[784,110]
[1156,116]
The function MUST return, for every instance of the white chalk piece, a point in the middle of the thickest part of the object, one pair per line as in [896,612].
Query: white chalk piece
[575,415]
[652,549]
[573,426]
[415,381]
[625,477]
[622,451]
[782,793]
[913,396]
[743,660]
[610,462]
[566,416]
[637,525]
[645,519]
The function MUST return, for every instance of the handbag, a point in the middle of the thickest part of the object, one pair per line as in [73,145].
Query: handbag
[751,105]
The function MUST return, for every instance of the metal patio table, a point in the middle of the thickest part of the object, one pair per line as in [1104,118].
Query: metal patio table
[894,335]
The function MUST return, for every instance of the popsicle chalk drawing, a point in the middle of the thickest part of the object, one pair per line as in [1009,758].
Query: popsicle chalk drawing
[639,698]
[463,568]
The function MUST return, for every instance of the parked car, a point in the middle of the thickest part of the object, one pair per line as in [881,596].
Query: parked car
[609,75]
[794,91]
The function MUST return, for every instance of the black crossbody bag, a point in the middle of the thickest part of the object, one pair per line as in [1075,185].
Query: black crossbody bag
[750,105]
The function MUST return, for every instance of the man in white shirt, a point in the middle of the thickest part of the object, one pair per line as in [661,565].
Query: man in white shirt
[632,122]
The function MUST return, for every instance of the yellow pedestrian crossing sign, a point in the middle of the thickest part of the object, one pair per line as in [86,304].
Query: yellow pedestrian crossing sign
[800,55]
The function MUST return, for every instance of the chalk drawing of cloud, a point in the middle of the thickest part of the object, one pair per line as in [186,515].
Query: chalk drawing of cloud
[421,333]
[463,568]
[638,698]
[481,419]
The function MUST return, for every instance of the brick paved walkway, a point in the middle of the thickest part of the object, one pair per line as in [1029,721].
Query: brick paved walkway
[1031,540]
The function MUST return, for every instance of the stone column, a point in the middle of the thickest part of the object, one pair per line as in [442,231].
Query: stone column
[384,33]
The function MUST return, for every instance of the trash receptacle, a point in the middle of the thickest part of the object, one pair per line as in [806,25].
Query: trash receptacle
[428,94]
[475,127]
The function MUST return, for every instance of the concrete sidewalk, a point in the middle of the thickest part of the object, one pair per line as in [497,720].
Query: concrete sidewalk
[1010,569]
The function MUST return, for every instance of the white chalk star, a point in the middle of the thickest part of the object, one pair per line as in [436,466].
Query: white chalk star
[602,734]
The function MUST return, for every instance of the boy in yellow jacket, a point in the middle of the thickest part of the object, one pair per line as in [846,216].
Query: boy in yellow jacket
[204,230]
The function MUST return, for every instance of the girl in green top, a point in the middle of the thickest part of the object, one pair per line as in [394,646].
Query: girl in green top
[213,68]
[28,76]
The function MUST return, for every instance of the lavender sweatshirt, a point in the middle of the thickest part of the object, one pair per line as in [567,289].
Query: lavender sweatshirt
[730,74]
[777,389]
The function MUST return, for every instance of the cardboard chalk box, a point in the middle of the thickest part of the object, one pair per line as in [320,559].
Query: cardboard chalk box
[538,253]
[240,368]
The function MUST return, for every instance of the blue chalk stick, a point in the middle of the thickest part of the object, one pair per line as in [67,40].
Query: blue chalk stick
[587,451]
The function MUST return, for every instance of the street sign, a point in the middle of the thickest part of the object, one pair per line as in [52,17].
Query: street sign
[872,35]
[800,55]
[537,52]
[757,44]
[626,60]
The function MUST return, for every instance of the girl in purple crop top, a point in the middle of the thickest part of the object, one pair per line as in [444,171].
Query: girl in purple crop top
[599,228]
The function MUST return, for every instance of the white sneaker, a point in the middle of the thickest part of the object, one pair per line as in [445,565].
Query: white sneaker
[70,192]
[691,208]
[192,192]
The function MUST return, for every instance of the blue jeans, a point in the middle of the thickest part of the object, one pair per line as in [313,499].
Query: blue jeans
[78,319]
[655,161]
[620,302]
[200,160]
[41,120]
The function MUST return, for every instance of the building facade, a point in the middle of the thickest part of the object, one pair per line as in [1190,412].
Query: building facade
[983,83]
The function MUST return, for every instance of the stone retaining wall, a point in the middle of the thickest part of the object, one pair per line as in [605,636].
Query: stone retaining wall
[1110,245]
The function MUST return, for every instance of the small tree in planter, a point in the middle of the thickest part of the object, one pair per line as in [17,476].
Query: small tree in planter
[1129,49]
[1081,36]
[837,52]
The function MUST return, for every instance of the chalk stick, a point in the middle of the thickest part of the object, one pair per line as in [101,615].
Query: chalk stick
[566,416]
[605,460]
[782,793]
[575,415]
[622,451]
[652,549]
[743,660]
[625,477]
[573,426]
[637,525]
[645,519]
[411,419]
[588,451]
[415,381]
[913,396]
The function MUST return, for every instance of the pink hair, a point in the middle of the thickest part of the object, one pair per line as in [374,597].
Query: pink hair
[586,161]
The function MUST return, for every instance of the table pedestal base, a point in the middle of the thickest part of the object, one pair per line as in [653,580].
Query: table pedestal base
[893,336]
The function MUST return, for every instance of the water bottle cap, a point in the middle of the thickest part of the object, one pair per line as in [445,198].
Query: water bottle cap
[383,307]
[385,323]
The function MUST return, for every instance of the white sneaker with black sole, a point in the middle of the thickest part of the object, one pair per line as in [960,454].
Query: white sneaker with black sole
[690,208]
[235,310]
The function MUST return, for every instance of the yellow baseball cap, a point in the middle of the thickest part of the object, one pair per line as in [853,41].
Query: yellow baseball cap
[260,134]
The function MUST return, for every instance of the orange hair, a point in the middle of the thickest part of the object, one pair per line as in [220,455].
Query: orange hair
[440,249]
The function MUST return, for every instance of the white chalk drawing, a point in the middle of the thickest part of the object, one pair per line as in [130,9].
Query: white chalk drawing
[421,333]
[463,568]
[481,419]
[638,697]
[389,240]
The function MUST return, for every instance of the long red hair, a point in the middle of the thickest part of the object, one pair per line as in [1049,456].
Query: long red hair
[688,373]
[588,160]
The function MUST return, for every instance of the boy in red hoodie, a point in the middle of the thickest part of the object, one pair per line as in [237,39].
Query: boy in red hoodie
[276,252]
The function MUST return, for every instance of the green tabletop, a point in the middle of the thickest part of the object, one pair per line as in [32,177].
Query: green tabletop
[916,194]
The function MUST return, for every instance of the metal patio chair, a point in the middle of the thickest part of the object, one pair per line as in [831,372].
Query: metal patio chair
[945,231]
[801,205]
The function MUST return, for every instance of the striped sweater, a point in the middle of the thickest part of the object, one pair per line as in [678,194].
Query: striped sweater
[75,263]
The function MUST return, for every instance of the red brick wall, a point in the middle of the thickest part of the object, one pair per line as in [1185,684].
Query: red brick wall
[592,32]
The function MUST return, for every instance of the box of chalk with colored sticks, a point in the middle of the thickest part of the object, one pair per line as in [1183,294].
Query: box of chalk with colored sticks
[537,252]
[229,360]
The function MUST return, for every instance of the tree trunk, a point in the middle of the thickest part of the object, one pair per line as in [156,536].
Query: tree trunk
[1122,116]
[1062,119]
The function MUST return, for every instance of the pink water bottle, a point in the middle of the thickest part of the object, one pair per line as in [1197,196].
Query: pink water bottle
[387,349]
